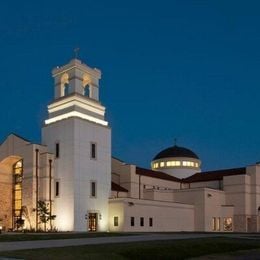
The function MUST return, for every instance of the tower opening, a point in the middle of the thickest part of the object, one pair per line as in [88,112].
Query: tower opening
[86,91]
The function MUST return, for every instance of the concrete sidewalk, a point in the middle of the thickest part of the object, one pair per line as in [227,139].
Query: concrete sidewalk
[19,245]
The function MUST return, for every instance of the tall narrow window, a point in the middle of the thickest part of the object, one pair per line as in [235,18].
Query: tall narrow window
[216,224]
[93,188]
[17,193]
[57,188]
[57,150]
[93,152]
[115,221]
[227,223]
[132,221]
[150,222]
[141,221]
[66,89]
[86,91]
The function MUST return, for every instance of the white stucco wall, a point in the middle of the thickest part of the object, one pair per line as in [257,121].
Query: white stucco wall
[166,216]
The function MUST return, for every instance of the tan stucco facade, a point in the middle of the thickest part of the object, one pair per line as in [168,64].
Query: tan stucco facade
[229,204]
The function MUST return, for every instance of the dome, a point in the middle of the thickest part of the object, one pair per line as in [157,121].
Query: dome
[175,151]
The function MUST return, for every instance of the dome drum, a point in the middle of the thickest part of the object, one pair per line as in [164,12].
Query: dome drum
[177,161]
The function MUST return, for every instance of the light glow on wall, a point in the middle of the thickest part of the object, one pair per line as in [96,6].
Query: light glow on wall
[76,114]
[76,102]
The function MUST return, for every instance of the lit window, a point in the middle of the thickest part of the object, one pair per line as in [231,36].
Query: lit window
[177,163]
[115,221]
[93,148]
[196,164]
[168,164]
[216,224]
[93,188]
[192,164]
[227,223]
[162,164]
[17,192]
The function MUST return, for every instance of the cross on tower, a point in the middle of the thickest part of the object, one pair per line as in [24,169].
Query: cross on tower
[76,51]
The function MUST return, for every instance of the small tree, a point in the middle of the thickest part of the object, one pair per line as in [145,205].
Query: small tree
[19,223]
[44,213]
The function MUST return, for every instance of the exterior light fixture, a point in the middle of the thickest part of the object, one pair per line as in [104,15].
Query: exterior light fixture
[130,203]
[1,229]
[100,216]
[209,195]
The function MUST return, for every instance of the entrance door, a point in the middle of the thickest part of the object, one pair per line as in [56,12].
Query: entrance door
[92,222]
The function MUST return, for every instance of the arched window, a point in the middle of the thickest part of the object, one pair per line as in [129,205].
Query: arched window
[86,85]
[66,89]
[17,198]
[86,91]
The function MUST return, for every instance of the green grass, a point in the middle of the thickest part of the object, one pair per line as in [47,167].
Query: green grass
[173,249]
[48,236]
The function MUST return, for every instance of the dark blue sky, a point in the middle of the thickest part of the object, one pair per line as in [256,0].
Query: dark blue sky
[171,69]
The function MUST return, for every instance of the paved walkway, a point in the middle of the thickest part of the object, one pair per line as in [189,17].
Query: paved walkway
[19,245]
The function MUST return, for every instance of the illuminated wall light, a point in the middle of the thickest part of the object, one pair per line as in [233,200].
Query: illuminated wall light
[70,103]
[76,114]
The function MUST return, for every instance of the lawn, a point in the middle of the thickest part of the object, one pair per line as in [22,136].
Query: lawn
[173,249]
[47,236]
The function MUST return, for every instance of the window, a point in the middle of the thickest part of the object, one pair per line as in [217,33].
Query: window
[93,187]
[93,148]
[66,89]
[132,221]
[17,192]
[141,221]
[57,150]
[150,222]
[227,224]
[86,91]
[115,221]
[216,224]
[161,164]
[57,189]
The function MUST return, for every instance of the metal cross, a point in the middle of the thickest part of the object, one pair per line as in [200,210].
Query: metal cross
[76,51]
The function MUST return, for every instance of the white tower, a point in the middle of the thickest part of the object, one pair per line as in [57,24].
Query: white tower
[80,138]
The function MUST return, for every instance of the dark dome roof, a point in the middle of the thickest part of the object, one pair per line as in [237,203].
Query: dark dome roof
[175,151]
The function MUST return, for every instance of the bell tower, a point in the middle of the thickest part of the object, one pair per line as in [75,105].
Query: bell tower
[77,133]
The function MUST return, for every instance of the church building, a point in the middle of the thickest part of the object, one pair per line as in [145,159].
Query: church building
[73,172]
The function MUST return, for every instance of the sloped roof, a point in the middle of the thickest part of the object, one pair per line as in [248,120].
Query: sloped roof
[116,187]
[215,175]
[156,174]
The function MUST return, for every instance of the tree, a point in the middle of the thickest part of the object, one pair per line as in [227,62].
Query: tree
[44,213]
[19,223]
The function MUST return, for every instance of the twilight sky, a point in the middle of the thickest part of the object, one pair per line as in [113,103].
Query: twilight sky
[170,69]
